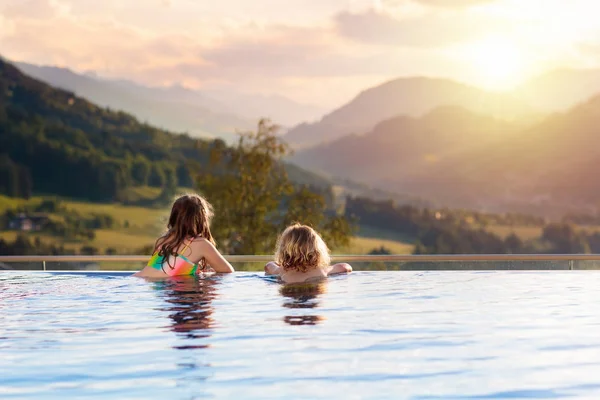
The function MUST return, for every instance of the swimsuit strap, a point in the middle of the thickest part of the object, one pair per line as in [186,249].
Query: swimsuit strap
[187,245]
[181,255]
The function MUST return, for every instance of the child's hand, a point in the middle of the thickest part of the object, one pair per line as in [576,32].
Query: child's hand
[271,268]
[341,268]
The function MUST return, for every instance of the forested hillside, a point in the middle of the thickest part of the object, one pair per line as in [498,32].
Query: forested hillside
[54,142]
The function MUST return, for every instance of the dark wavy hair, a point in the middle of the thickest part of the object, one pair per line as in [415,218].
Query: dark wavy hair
[190,218]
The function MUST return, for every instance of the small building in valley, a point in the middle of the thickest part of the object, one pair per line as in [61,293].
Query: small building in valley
[28,222]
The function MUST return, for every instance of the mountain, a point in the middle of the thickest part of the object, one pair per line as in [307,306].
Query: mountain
[176,108]
[202,113]
[461,159]
[398,152]
[279,109]
[55,142]
[405,96]
[560,89]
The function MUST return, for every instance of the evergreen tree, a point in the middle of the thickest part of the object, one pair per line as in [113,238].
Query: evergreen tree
[9,177]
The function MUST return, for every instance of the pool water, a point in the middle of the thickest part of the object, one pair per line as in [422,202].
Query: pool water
[396,335]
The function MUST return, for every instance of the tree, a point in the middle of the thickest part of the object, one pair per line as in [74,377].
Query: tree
[169,189]
[381,250]
[157,176]
[255,200]
[140,171]
[25,183]
[565,239]
[9,177]
[184,177]
[514,244]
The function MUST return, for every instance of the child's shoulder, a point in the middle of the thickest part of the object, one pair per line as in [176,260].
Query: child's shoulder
[200,241]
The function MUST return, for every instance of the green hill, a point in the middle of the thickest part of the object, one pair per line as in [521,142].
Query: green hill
[53,142]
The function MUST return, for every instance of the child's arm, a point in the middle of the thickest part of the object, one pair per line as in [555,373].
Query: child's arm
[340,268]
[213,257]
[272,269]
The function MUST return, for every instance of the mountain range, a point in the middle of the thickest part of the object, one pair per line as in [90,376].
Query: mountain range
[55,142]
[213,113]
[458,158]
[404,96]
[176,108]
[560,89]
[415,96]
[452,144]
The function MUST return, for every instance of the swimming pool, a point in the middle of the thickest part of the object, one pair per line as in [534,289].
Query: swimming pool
[418,335]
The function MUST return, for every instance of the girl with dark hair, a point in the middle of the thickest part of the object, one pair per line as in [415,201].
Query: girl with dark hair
[188,246]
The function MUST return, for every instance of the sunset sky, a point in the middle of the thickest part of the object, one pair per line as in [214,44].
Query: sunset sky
[316,51]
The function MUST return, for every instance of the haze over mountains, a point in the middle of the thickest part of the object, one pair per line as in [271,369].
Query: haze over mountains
[220,113]
[457,158]
[435,139]
[561,89]
[217,114]
[56,143]
[404,96]
[551,92]
[279,109]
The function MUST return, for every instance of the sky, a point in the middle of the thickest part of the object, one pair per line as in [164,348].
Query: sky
[320,52]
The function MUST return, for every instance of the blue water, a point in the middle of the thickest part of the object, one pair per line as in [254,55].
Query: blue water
[388,335]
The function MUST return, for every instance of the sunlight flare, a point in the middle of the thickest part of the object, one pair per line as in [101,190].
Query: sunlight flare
[497,62]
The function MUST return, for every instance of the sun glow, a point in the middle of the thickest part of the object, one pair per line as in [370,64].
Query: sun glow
[497,63]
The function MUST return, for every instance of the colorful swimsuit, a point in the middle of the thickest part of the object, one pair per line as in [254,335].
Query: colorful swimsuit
[173,265]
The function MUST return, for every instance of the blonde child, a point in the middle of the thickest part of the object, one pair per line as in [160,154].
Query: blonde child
[302,256]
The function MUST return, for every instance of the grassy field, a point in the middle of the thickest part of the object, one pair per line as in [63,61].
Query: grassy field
[530,232]
[523,232]
[368,238]
[376,233]
[138,227]
[9,203]
[363,245]
[134,220]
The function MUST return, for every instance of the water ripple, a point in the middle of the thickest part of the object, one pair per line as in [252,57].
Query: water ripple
[376,335]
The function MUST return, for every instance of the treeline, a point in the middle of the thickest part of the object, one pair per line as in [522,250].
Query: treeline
[24,246]
[460,232]
[15,179]
[54,142]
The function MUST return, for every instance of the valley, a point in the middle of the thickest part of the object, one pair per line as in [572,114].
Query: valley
[446,145]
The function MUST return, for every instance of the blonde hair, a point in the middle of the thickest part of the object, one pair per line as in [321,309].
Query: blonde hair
[300,248]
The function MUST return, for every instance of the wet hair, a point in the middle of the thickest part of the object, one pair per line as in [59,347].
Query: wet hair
[190,218]
[300,248]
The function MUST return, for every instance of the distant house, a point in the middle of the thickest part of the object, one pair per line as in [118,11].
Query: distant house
[28,222]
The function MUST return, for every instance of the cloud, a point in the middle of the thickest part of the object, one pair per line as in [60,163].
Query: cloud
[587,54]
[426,30]
[33,9]
[325,60]
[453,3]
[310,63]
